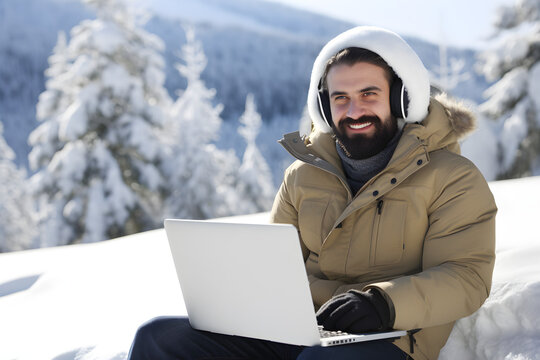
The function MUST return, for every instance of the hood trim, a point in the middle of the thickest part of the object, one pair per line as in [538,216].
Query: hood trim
[460,115]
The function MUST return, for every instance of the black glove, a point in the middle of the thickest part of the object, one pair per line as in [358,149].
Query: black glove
[355,312]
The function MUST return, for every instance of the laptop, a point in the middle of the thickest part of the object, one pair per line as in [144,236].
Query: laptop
[249,280]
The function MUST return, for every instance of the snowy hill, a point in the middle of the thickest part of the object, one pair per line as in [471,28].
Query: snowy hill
[252,46]
[86,301]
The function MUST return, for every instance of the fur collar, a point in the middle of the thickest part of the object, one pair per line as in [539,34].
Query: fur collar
[461,118]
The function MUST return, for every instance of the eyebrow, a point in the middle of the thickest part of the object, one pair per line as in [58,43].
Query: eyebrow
[369,88]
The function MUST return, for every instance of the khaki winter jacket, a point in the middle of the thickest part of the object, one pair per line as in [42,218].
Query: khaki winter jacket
[422,231]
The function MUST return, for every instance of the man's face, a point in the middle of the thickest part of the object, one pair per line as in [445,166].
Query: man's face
[360,107]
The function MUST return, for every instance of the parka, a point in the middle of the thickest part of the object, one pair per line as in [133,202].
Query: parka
[422,231]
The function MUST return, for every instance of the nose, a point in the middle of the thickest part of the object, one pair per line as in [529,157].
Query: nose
[356,109]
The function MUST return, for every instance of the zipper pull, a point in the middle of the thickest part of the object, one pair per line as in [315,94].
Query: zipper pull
[379,206]
[412,340]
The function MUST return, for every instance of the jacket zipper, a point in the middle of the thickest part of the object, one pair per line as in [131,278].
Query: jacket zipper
[412,340]
[379,206]
[375,234]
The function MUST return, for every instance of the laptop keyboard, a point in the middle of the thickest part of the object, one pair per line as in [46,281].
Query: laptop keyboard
[327,333]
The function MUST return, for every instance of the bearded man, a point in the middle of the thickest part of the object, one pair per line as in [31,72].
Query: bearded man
[397,229]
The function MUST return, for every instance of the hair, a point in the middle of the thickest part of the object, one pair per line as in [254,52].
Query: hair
[353,55]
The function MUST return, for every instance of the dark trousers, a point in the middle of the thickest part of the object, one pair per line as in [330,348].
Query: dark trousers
[168,338]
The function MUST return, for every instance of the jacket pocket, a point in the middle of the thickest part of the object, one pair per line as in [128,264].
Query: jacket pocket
[310,222]
[387,236]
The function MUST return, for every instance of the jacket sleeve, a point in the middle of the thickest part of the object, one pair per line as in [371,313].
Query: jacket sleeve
[458,256]
[283,212]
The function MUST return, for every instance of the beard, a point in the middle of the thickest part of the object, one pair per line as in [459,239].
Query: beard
[362,146]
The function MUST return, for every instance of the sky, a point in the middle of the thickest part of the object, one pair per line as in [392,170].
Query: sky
[464,23]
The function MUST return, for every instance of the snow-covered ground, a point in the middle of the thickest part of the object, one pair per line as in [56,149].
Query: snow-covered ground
[86,301]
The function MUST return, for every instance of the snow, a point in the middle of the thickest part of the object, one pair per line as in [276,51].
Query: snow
[204,180]
[254,173]
[16,232]
[481,148]
[86,301]
[514,131]
[506,91]
[73,122]
[99,111]
[210,11]
[512,100]
[534,87]
[70,162]
[506,326]
[94,213]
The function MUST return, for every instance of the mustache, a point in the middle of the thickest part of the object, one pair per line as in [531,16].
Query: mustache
[362,119]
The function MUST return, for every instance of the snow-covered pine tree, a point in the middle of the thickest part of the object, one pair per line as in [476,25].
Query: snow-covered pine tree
[450,72]
[54,100]
[514,100]
[255,178]
[96,151]
[202,178]
[17,228]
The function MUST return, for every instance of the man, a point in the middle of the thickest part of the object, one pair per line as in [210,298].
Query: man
[397,230]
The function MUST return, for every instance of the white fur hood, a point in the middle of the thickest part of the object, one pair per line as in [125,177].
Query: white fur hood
[394,50]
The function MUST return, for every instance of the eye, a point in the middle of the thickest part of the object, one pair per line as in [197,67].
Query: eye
[368,93]
[340,98]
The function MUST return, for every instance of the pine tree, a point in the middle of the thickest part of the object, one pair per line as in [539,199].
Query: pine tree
[201,177]
[255,178]
[52,102]
[514,100]
[16,215]
[97,150]
[450,72]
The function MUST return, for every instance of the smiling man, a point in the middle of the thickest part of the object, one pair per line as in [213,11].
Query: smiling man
[397,229]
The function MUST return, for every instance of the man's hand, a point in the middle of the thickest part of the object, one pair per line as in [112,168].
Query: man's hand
[355,312]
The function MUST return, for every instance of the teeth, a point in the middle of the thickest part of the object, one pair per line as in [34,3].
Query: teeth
[359,126]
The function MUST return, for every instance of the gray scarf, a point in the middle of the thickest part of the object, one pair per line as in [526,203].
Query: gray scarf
[360,171]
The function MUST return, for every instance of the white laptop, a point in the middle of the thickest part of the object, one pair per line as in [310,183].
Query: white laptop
[249,280]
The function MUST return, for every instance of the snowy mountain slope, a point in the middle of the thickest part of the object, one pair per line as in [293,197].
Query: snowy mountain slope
[86,301]
[253,16]
[252,46]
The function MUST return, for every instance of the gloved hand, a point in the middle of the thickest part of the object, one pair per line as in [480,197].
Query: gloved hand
[355,312]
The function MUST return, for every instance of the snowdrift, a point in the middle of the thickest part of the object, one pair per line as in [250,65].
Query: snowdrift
[86,301]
